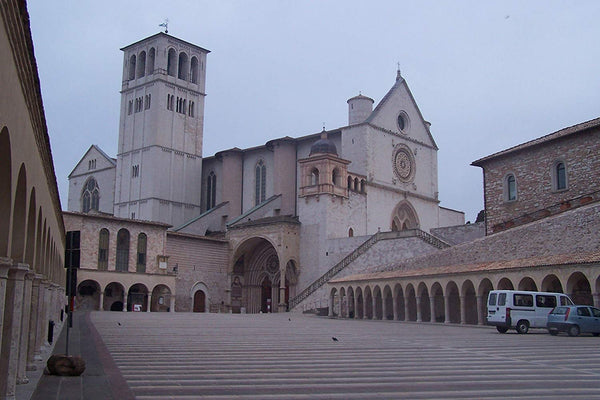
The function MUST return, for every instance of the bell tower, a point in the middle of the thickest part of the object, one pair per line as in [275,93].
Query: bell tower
[159,160]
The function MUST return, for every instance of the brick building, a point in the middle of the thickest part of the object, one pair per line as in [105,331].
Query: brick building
[542,177]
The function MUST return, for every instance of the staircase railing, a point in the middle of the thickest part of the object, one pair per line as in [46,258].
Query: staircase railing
[310,289]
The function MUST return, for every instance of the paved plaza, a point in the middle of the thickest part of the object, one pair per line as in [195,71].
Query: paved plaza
[290,356]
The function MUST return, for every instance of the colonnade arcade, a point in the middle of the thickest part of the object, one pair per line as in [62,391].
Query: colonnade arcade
[106,292]
[456,298]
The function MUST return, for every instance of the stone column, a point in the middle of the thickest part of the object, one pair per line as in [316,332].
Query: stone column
[463,311]
[149,302]
[480,317]
[33,322]
[365,305]
[432,307]
[172,303]
[395,306]
[330,306]
[355,306]
[596,299]
[42,321]
[446,309]
[25,329]
[13,314]
[373,307]
[5,265]
[418,298]
[101,305]
[406,313]
[383,309]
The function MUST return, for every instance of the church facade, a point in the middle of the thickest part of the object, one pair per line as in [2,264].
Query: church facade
[288,211]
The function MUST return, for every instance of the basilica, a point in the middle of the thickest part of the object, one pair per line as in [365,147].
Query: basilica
[246,230]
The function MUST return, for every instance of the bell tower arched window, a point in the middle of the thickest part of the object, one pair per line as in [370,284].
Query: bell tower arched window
[211,190]
[131,68]
[172,62]
[314,177]
[194,70]
[260,178]
[90,197]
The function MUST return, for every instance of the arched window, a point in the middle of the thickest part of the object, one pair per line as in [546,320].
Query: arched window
[141,65]
[260,178]
[172,62]
[560,176]
[510,188]
[90,197]
[132,67]
[141,253]
[356,184]
[182,72]
[350,183]
[362,185]
[350,232]
[211,190]
[335,177]
[103,249]
[122,250]
[194,70]
[314,177]
[150,63]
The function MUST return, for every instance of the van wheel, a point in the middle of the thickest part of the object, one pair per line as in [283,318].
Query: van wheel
[553,332]
[522,326]
[502,329]
[573,330]
[596,334]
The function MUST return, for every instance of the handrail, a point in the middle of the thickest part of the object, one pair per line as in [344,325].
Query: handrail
[310,289]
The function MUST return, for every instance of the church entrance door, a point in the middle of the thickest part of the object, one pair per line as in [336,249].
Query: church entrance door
[199,301]
[266,299]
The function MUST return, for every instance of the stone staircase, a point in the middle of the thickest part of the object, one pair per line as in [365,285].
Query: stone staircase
[323,279]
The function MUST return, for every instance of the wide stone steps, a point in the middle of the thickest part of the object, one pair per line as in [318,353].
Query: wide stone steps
[209,356]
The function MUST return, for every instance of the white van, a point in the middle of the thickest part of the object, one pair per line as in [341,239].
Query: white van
[521,309]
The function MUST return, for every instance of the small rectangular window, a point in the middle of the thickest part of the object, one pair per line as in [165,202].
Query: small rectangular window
[545,301]
[523,300]
[502,299]
[492,299]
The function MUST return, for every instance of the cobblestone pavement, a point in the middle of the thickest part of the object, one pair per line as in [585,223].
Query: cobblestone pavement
[290,356]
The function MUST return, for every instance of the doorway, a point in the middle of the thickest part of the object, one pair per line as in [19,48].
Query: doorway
[199,301]
[266,299]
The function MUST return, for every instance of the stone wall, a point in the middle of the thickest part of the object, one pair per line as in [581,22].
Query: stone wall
[572,232]
[198,260]
[460,233]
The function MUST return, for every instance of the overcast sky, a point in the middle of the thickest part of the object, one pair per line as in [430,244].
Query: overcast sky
[487,74]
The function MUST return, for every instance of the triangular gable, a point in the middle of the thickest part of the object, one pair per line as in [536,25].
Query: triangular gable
[103,161]
[400,99]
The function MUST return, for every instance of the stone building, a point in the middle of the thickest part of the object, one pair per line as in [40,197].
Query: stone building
[274,218]
[32,234]
[542,219]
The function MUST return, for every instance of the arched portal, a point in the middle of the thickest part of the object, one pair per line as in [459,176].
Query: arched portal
[400,308]
[411,303]
[453,300]
[579,289]
[527,284]
[199,301]
[161,298]
[551,283]
[388,300]
[137,298]
[505,284]
[439,311]
[378,302]
[470,303]
[88,296]
[368,307]
[114,297]
[256,278]
[351,311]
[423,303]
[359,304]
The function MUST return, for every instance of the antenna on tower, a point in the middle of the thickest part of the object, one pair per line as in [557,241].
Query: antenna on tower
[165,25]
